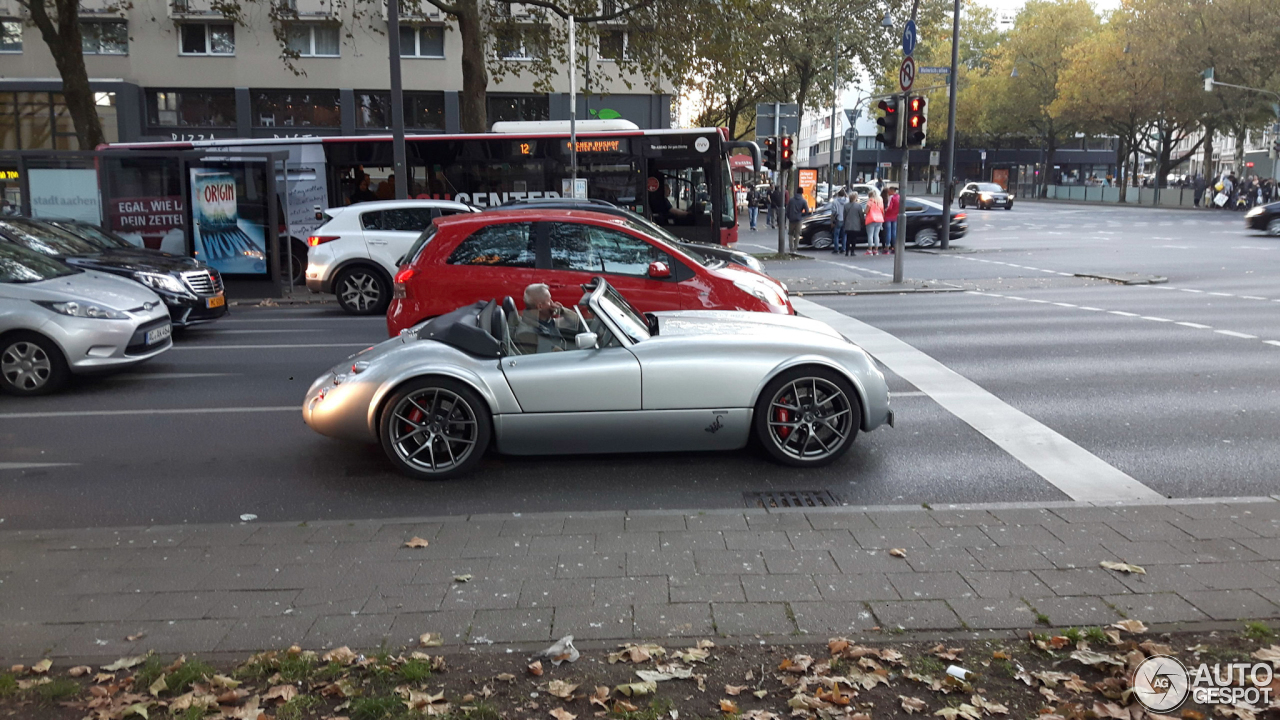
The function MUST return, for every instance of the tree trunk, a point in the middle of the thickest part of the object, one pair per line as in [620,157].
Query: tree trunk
[473,110]
[62,35]
[1207,158]
[1051,148]
[1239,154]
[1122,166]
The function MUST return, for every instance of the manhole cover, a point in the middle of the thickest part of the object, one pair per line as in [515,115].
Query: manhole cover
[791,499]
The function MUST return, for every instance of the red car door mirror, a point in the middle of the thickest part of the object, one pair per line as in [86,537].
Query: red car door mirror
[659,270]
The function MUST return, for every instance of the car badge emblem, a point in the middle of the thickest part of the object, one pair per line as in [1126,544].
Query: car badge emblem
[715,426]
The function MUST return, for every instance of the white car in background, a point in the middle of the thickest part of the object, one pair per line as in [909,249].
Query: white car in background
[57,320]
[355,254]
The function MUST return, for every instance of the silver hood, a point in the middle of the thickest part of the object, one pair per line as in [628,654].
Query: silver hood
[735,322]
[91,286]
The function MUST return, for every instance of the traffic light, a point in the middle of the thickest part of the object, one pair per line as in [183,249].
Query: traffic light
[784,152]
[1275,149]
[890,134]
[771,153]
[917,120]
[846,155]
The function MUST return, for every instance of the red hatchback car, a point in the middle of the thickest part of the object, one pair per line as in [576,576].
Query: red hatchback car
[471,257]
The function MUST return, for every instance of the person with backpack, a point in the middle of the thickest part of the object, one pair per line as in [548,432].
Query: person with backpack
[797,208]
[855,221]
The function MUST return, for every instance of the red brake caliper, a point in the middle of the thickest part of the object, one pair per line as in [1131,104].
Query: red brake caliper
[783,415]
[415,416]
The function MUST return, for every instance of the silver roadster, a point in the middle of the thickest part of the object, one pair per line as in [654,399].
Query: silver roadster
[601,378]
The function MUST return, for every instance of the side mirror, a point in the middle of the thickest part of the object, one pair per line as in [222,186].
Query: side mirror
[586,341]
[659,270]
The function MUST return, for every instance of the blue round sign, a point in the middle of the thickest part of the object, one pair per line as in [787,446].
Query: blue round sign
[909,38]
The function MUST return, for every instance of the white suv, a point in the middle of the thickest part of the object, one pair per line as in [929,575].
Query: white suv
[355,253]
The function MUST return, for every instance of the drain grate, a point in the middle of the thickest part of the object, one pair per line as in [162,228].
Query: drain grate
[791,499]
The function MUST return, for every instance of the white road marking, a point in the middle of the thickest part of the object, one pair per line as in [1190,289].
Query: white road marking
[1078,473]
[26,466]
[162,411]
[222,331]
[1065,305]
[1190,290]
[1197,326]
[1155,319]
[1221,294]
[271,347]
[909,393]
[1125,314]
[1244,297]
[168,376]
[1272,342]
[1090,309]
[1233,333]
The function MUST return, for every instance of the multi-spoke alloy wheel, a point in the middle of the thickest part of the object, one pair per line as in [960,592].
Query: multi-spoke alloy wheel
[808,417]
[435,428]
[30,365]
[362,292]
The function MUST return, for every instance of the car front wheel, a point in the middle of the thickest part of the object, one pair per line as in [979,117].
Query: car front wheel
[31,364]
[821,240]
[362,291]
[807,417]
[1273,227]
[926,237]
[961,202]
[435,428]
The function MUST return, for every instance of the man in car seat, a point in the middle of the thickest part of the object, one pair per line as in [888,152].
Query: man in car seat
[543,322]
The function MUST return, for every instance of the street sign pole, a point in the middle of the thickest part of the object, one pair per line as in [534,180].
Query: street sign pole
[399,153]
[902,216]
[835,102]
[951,130]
[777,177]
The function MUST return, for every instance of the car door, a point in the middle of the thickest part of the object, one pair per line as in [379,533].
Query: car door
[490,263]
[390,233]
[580,251]
[970,193]
[602,379]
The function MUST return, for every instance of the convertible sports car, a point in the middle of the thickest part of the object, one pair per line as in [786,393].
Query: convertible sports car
[601,378]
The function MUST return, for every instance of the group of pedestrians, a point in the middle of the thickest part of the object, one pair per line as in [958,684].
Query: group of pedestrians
[851,215]
[1226,191]
[769,198]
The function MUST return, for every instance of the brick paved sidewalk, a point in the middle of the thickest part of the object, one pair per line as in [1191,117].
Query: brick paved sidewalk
[606,576]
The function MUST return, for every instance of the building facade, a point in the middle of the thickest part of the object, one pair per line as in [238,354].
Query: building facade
[178,70]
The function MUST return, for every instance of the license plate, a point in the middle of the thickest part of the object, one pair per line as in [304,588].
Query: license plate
[159,334]
[215,301]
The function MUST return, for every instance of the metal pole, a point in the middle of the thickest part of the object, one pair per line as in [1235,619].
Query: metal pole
[777,176]
[397,101]
[947,188]
[573,107]
[835,101]
[902,216]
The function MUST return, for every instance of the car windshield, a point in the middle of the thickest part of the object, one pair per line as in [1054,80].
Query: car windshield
[45,238]
[96,235]
[20,265]
[989,187]
[632,323]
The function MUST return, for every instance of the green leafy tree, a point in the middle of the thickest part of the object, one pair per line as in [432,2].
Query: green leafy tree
[58,22]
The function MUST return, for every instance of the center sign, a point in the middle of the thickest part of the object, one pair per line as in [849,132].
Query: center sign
[907,73]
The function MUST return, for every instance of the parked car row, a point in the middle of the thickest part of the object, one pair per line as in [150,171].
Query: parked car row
[77,299]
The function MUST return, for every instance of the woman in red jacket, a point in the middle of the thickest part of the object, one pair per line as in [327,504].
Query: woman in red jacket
[875,220]
[891,217]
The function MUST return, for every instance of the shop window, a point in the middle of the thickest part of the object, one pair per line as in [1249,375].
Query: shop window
[104,37]
[313,39]
[10,36]
[422,110]
[207,39]
[287,108]
[426,41]
[511,108]
[191,108]
[522,42]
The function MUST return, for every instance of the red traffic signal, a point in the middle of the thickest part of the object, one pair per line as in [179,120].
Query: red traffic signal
[917,121]
[784,152]
[890,133]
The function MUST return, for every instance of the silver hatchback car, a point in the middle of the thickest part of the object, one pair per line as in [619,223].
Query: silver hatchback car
[57,320]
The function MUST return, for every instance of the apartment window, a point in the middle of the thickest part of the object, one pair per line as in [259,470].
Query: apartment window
[313,39]
[104,37]
[422,110]
[522,42]
[10,36]
[208,39]
[423,41]
[613,44]
[512,108]
[191,108]
[287,108]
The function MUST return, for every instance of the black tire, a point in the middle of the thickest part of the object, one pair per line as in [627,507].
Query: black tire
[298,263]
[926,237]
[1008,206]
[961,202]
[362,290]
[821,240]
[838,417]
[31,364]
[1273,227]
[457,440]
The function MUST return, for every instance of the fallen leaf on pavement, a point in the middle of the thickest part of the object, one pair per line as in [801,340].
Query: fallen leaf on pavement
[139,709]
[41,667]
[965,710]
[1096,659]
[462,578]
[729,706]
[1133,626]
[945,652]
[622,706]
[734,690]
[705,644]
[637,653]
[430,640]
[135,638]
[798,664]
[80,671]
[562,714]
[600,697]
[638,689]
[1114,711]
[159,686]
[535,668]
[125,663]
[342,655]
[760,694]
[225,682]
[416,542]
[990,708]
[1271,655]
[280,693]
[1187,714]
[1123,567]
[898,552]
[506,677]
[912,705]
[561,689]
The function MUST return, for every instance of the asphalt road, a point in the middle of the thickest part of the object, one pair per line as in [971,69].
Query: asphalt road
[1175,385]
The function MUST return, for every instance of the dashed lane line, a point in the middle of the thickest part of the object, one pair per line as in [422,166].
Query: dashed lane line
[153,411]
[206,346]
[1207,292]
[1078,473]
[33,465]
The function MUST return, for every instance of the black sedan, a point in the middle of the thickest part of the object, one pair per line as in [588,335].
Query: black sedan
[194,294]
[985,196]
[1265,218]
[924,222]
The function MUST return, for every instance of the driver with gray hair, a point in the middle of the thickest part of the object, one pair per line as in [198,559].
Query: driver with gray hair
[544,322]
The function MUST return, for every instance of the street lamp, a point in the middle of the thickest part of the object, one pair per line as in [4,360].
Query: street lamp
[886,22]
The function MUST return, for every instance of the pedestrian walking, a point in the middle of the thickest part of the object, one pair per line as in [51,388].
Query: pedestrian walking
[875,221]
[837,221]
[891,218]
[775,206]
[753,207]
[797,208]
[855,222]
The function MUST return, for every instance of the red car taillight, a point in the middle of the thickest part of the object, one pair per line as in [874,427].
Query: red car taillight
[315,240]
[959,216]
[398,289]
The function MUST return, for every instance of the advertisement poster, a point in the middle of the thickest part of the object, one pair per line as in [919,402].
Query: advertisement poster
[65,193]
[221,237]
[808,181]
[151,222]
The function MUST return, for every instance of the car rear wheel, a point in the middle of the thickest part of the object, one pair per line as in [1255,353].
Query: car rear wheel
[1273,227]
[362,291]
[961,202]
[807,417]
[435,428]
[822,240]
[31,364]
[926,237]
